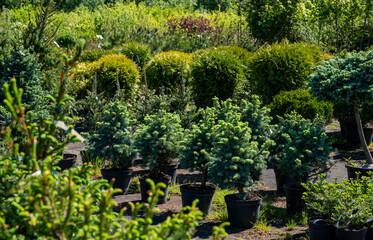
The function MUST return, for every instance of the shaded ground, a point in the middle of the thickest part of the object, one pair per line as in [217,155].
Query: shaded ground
[267,189]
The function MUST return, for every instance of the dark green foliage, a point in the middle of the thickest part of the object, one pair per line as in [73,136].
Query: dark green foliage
[128,75]
[112,139]
[301,149]
[168,70]
[271,20]
[91,108]
[213,5]
[5,117]
[282,67]
[137,52]
[303,103]
[93,55]
[215,74]
[67,41]
[158,139]
[345,81]
[24,67]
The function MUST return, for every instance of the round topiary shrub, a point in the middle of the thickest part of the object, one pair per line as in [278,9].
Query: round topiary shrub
[282,67]
[137,52]
[83,79]
[215,74]
[303,103]
[128,75]
[165,70]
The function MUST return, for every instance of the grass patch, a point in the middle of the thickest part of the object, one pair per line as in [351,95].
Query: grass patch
[291,224]
[174,189]
[134,186]
[219,208]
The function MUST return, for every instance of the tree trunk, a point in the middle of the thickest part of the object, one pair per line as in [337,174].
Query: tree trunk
[368,156]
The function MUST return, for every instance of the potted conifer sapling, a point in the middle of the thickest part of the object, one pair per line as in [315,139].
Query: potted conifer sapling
[195,155]
[235,156]
[158,142]
[112,141]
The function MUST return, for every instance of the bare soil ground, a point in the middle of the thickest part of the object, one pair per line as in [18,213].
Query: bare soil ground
[278,227]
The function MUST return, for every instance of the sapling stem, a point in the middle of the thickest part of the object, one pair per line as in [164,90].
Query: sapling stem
[368,156]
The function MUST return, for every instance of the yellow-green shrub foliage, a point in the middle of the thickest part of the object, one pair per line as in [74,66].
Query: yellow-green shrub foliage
[282,67]
[128,75]
[92,55]
[165,70]
[138,52]
[82,80]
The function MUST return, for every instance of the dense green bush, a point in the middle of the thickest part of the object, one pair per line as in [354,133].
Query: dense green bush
[112,140]
[282,67]
[301,150]
[82,82]
[213,5]
[93,55]
[166,69]
[128,75]
[24,67]
[137,52]
[303,103]
[215,74]
[67,41]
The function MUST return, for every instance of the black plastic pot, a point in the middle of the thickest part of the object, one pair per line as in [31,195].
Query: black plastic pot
[68,161]
[145,187]
[121,178]
[343,234]
[369,234]
[191,192]
[242,213]
[350,132]
[321,230]
[354,172]
[281,180]
[170,170]
[294,201]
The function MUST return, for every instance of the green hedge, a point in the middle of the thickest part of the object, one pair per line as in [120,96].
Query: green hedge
[137,52]
[282,67]
[165,70]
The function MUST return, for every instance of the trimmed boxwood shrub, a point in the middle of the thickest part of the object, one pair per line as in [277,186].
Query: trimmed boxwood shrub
[282,67]
[128,75]
[215,74]
[303,103]
[138,52]
[164,70]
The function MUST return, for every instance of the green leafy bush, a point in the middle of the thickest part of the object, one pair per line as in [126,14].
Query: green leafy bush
[137,52]
[67,41]
[213,5]
[158,139]
[301,149]
[128,75]
[167,69]
[346,204]
[215,74]
[82,82]
[303,103]
[93,55]
[282,67]
[112,139]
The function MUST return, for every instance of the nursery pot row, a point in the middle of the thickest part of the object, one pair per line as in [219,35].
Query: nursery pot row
[67,161]
[354,172]
[191,192]
[321,230]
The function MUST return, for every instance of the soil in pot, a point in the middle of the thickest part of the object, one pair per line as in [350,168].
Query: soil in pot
[243,213]
[347,234]
[145,187]
[358,168]
[294,201]
[68,161]
[191,192]
[121,178]
[320,229]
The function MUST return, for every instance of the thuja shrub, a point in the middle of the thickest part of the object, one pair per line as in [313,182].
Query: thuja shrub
[282,67]
[168,70]
[138,52]
[93,55]
[215,74]
[108,68]
[82,82]
[303,103]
